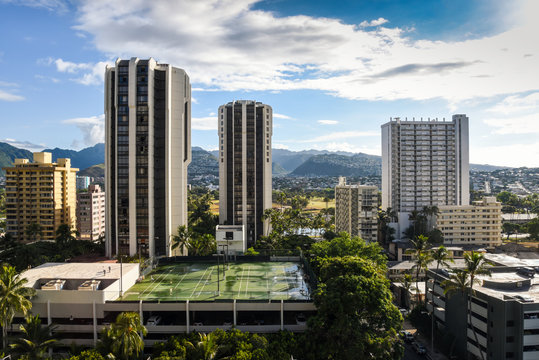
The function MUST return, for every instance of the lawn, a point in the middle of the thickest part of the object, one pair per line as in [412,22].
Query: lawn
[198,281]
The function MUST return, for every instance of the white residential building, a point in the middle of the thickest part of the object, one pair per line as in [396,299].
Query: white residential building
[245,128]
[148,149]
[424,163]
[356,210]
[91,213]
[476,224]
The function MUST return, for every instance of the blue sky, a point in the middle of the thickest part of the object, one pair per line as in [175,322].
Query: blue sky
[333,71]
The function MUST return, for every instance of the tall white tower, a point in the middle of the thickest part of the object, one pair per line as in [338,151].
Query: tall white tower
[424,163]
[148,149]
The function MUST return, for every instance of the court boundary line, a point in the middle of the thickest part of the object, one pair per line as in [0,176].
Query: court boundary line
[199,282]
[161,278]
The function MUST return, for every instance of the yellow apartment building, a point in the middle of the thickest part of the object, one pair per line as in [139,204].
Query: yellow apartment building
[40,192]
[476,224]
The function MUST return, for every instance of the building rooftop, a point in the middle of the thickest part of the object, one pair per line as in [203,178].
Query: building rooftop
[507,285]
[241,281]
[76,271]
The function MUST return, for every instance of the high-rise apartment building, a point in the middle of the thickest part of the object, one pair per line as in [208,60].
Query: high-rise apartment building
[245,130]
[91,213]
[424,163]
[148,149]
[40,192]
[356,210]
[476,224]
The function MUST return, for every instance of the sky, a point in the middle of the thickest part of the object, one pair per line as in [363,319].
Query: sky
[333,71]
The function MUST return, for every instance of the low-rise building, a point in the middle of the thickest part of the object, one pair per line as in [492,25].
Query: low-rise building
[91,213]
[476,224]
[356,210]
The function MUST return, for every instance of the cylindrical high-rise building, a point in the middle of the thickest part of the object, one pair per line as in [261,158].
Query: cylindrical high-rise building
[245,130]
[148,149]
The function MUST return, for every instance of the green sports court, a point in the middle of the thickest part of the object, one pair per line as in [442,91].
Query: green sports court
[241,281]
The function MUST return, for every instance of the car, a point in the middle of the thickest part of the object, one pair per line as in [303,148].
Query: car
[198,324]
[154,320]
[301,319]
[406,336]
[419,348]
[404,311]
[227,323]
[526,271]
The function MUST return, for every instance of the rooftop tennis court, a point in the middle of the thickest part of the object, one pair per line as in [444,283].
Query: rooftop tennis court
[245,281]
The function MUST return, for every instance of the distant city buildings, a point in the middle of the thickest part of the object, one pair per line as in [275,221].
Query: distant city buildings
[476,224]
[245,128]
[40,192]
[424,163]
[83,182]
[148,149]
[356,210]
[91,213]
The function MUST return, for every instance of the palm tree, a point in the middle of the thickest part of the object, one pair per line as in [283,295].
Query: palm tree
[65,235]
[422,258]
[207,346]
[36,339]
[441,256]
[429,212]
[181,239]
[34,230]
[13,297]
[475,264]
[407,282]
[126,340]
[204,245]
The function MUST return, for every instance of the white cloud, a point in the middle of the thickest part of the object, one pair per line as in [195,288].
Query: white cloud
[92,128]
[227,45]
[88,73]
[377,22]
[339,135]
[6,96]
[204,123]
[515,103]
[515,155]
[281,116]
[280,146]
[52,5]
[327,122]
[25,145]
[527,124]
[348,147]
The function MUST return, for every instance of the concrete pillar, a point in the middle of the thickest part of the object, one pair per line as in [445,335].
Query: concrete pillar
[187,316]
[94,317]
[235,313]
[141,317]
[49,319]
[282,315]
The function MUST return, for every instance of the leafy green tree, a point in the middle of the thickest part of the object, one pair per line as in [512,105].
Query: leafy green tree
[203,245]
[34,230]
[92,354]
[386,232]
[200,218]
[207,346]
[13,297]
[65,235]
[510,229]
[344,245]
[251,252]
[7,242]
[181,239]
[36,339]
[355,318]
[533,228]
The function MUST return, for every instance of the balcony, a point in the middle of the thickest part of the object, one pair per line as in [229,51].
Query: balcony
[531,324]
[531,340]
[530,355]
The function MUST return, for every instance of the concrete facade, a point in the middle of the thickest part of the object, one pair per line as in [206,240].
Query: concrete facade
[505,315]
[147,152]
[424,163]
[356,210]
[245,129]
[91,213]
[40,192]
[477,224]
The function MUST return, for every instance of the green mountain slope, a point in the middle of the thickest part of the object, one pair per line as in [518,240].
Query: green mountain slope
[93,171]
[9,153]
[340,165]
